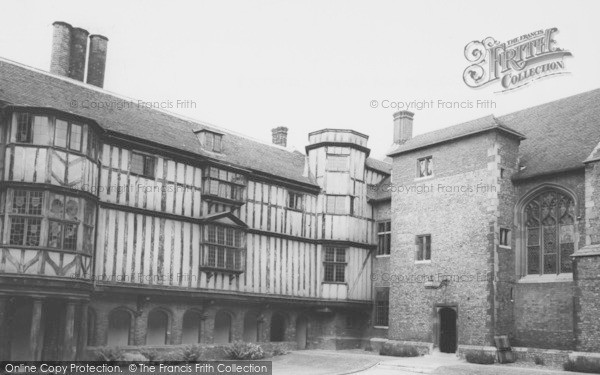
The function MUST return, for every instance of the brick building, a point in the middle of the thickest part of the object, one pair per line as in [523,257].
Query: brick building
[495,230]
[123,225]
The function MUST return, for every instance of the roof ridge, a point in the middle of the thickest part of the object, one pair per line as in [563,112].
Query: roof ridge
[570,97]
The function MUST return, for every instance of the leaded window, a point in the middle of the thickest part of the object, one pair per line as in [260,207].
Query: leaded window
[59,218]
[425,167]
[424,247]
[26,217]
[335,264]
[224,184]
[223,247]
[382,306]
[550,233]
[142,164]
[384,235]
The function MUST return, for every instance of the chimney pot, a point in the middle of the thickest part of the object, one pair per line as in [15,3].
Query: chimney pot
[61,49]
[79,42]
[403,126]
[280,136]
[97,60]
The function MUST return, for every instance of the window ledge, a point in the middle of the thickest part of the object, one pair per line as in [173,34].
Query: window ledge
[533,279]
[334,282]
[505,247]
[382,256]
[422,261]
[380,327]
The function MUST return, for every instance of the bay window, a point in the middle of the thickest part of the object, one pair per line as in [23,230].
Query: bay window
[224,184]
[67,221]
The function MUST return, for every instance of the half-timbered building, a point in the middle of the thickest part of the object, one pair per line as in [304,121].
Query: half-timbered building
[124,225]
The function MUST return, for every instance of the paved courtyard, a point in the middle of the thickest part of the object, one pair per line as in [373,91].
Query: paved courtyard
[331,362]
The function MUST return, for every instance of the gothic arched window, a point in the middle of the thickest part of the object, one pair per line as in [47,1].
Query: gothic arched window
[549,233]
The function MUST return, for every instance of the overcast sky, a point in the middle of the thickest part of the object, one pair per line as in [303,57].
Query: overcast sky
[253,65]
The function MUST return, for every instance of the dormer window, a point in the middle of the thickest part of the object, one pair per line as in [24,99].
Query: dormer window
[210,141]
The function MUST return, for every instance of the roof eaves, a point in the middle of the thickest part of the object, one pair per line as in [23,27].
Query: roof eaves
[458,136]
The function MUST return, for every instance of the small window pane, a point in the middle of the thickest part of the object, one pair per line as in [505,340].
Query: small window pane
[55,234]
[339,273]
[208,141]
[40,130]
[70,239]
[17,231]
[24,128]
[533,260]
[34,227]
[217,146]
[212,234]
[75,140]
[19,205]
[60,133]
[148,166]
[137,164]
[57,206]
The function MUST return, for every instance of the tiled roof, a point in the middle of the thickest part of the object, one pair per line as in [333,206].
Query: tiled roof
[24,86]
[379,165]
[381,191]
[451,133]
[560,135]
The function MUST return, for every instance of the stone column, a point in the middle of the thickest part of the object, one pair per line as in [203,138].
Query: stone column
[4,332]
[176,326]
[83,331]
[69,345]
[35,333]
[139,326]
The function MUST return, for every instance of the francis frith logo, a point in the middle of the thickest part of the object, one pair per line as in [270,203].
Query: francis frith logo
[514,63]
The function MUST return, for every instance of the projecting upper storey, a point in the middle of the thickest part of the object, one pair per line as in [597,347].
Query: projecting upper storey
[555,136]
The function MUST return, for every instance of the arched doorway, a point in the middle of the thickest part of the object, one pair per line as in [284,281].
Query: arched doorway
[301,332]
[447,318]
[156,331]
[191,327]
[277,327]
[222,331]
[250,327]
[119,325]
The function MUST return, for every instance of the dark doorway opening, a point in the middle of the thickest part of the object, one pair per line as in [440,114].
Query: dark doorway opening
[301,332]
[277,327]
[447,318]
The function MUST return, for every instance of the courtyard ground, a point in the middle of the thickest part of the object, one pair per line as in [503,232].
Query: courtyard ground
[332,362]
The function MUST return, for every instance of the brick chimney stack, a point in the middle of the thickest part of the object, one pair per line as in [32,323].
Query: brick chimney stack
[79,41]
[280,136]
[61,49]
[97,60]
[70,50]
[403,126]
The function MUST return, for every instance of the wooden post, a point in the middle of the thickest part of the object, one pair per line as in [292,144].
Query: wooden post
[4,335]
[83,331]
[35,333]
[69,349]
